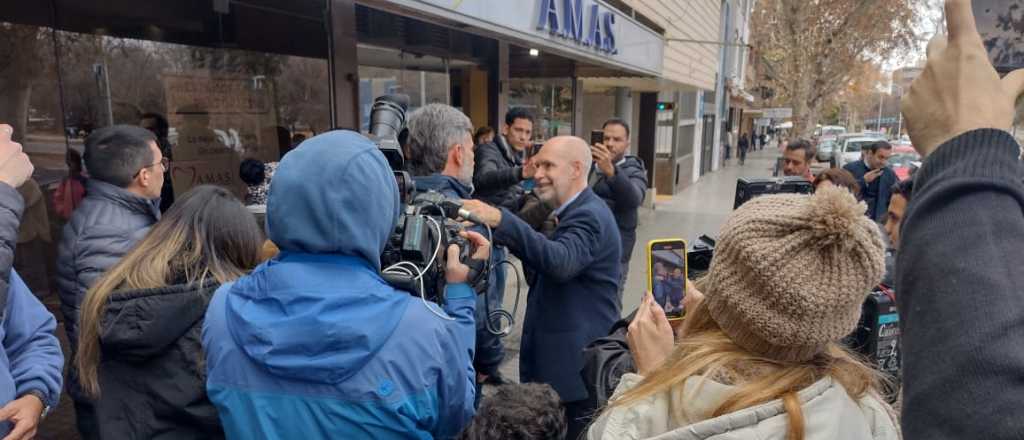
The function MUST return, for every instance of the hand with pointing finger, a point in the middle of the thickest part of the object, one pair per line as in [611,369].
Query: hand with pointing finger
[959,90]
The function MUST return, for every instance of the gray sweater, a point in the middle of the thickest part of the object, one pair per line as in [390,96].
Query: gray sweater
[960,292]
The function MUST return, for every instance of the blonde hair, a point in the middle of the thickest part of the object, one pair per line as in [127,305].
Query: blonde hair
[206,236]
[704,351]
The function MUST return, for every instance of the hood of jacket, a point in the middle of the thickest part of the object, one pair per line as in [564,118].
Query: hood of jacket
[335,194]
[320,311]
[829,414]
[139,324]
[313,317]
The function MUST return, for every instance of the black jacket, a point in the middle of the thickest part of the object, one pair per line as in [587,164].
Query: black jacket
[103,229]
[574,299]
[624,193]
[960,283]
[876,194]
[605,361]
[152,377]
[498,175]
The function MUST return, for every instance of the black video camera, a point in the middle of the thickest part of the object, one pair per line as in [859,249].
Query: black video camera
[699,256]
[416,255]
[749,188]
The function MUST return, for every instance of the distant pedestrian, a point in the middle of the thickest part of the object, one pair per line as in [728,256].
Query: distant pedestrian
[139,356]
[742,148]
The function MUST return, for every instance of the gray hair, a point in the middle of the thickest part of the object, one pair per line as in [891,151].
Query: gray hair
[433,129]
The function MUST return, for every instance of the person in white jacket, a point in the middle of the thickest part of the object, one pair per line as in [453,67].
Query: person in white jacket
[757,355]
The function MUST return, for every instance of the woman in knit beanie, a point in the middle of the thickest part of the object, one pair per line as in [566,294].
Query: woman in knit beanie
[758,357]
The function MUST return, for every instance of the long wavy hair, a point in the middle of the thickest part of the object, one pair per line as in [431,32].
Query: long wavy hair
[207,236]
[704,350]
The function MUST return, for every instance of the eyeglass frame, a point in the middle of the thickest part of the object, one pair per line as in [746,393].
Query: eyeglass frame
[164,162]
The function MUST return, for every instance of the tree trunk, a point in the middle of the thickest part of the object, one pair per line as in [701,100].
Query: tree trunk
[14,106]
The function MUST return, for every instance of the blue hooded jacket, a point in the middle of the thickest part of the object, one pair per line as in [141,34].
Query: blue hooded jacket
[314,344]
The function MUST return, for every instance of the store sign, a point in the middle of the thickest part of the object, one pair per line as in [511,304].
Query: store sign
[585,30]
[778,113]
[565,18]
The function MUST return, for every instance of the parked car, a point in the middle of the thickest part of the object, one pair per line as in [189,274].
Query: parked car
[904,161]
[830,130]
[851,145]
[826,148]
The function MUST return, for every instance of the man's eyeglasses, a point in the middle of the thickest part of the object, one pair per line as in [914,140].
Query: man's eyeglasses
[164,163]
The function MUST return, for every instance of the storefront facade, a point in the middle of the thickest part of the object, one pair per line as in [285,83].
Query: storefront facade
[239,79]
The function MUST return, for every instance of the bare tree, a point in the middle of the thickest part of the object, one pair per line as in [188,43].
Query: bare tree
[814,47]
[26,48]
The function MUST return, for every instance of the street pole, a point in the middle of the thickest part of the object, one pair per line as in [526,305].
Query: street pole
[899,130]
[880,97]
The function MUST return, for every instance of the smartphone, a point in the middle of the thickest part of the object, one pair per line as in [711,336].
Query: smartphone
[596,137]
[1001,25]
[666,274]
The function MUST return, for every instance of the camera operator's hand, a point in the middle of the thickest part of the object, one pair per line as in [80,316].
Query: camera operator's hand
[15,167]
[486,213]
[456,272]
[959,90]
[650,336]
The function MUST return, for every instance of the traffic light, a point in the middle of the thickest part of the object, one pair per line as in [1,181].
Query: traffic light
[663,106]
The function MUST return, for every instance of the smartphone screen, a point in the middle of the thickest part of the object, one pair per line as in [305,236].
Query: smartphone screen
[667,274]
[1001,25]
[596,137]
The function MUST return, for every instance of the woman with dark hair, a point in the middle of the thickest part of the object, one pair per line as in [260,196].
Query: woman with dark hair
[139,352]
[838,177]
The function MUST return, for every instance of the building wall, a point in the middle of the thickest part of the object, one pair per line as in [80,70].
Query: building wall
[686,63]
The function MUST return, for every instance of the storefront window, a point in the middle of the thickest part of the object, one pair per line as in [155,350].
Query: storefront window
[383,71]
[221,105]
[550,100]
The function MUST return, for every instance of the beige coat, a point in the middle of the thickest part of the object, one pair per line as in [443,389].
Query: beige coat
[829,414]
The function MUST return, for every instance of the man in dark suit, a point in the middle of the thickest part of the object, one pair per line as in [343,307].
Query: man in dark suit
[574,299]
[875,178]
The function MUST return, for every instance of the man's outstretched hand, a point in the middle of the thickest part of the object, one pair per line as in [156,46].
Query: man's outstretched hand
[959,90]
[486,213]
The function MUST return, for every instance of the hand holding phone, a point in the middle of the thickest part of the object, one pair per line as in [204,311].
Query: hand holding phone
[650,336]
[666,278]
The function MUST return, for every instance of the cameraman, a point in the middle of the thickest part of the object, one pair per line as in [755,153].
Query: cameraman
[314,344]
[441,157]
